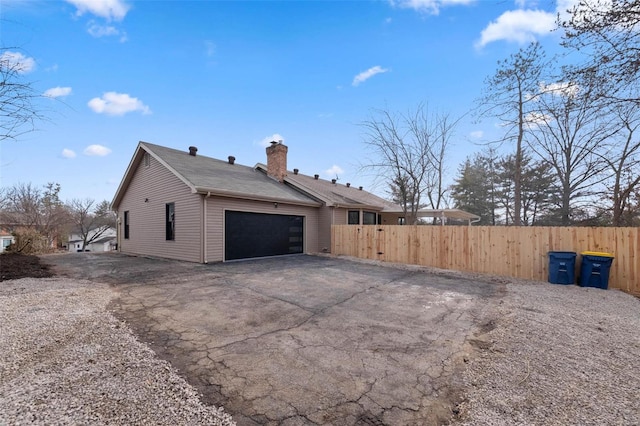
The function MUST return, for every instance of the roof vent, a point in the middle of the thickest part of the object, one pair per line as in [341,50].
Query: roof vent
[348,184]
[232,159]
[295,171]
[333,181]
[360,188]
[193,150]
[316,177]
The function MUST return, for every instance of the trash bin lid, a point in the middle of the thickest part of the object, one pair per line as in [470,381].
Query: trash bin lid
[596,253]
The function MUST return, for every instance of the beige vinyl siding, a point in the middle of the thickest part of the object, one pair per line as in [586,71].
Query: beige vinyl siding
[325,218]
[340,216]
[147,219]
[216,207]
[390,218]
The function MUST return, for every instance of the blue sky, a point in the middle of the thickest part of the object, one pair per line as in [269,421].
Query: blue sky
[229,76]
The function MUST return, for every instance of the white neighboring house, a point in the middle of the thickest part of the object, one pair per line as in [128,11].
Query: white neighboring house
[6,239]
[105,242]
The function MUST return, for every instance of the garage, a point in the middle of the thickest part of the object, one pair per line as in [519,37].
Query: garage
[249,235]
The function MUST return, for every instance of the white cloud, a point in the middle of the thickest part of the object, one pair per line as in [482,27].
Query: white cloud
[535,119]
[97,151]
[18,62]
[477,134]
[563,6]
[561,89]
[107,9]
[67,153]
[267,141]
[365,75]
[428,6]
[57,92]
[334,171]
[519,26]
[113,103]
[210,48]
[98,30]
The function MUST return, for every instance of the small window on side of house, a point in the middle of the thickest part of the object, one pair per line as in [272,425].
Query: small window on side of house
[147,159]
[126,225]
[354,217]
[401,221]
[170,214]
[369,218]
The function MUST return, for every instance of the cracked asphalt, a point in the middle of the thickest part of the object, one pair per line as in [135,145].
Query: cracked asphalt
[303,340]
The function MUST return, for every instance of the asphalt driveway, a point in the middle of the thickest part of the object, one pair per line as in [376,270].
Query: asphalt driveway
[302,339]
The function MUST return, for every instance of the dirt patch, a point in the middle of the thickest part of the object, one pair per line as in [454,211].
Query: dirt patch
[14,266]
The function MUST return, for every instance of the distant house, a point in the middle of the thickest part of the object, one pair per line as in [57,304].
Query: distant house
[105,242]
[6,239]
[181,205]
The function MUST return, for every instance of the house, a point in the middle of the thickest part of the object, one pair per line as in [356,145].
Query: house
[6,239]
[181,205]
[105,242]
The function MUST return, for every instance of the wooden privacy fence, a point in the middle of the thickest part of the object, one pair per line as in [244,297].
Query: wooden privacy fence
[500,250]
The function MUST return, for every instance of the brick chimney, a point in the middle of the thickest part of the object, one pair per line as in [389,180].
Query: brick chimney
[277,160]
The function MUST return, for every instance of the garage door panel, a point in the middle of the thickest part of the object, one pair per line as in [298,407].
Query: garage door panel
[250,235]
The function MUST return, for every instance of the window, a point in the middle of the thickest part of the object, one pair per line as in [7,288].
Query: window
[147,159]
[401,221]
[126,225]
[354,217]
[369,218]
[170,209]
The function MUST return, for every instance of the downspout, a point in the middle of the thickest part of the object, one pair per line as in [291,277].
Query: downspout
[204,227]
[119,247]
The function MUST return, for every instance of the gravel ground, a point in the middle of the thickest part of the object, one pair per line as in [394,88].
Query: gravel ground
[65,360]
[549,355]
[558,355]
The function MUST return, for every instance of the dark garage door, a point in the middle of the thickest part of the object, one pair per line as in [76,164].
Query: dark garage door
[257,235]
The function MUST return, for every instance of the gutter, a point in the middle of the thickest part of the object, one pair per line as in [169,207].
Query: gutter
[253,197]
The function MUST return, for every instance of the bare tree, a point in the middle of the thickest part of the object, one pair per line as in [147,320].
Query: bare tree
[91,220]
[623,161]
[408,151]
[570,128]
[444,128]
[18,106]
[507,97]
[25,206]
[606,31]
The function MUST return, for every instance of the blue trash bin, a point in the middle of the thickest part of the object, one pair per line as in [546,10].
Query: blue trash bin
[562,267]
[594,269]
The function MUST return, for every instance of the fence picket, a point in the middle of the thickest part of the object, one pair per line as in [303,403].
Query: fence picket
[519,252]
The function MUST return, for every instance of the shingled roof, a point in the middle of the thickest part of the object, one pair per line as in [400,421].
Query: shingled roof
[208,175]
[336,194]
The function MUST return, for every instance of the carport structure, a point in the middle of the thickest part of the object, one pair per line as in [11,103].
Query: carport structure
[443,215]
